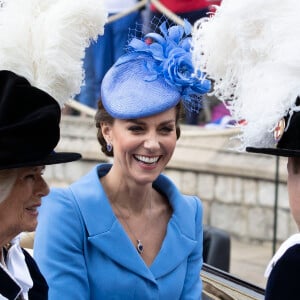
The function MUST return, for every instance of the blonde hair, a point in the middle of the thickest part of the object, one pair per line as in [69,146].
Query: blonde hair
[7,179]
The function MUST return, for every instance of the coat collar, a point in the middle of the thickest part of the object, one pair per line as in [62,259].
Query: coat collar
[109,232]
[287,244]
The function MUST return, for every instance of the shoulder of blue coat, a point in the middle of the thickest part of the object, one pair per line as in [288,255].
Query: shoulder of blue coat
[87,183]
[193,201]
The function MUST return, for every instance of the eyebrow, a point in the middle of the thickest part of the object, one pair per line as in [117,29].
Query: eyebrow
[36,168]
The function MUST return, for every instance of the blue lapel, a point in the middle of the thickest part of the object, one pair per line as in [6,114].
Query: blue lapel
[106,232]
[180,238]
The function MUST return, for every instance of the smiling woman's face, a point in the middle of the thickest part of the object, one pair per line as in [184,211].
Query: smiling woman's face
[18,211]
[142,147]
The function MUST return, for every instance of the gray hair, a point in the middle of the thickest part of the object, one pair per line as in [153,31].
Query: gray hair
[7,179]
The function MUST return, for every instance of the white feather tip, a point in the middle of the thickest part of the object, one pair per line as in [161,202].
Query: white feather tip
[45,41]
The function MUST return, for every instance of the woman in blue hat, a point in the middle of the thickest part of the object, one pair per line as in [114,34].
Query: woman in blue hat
[124,230]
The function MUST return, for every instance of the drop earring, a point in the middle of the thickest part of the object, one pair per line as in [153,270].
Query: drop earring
[109,147]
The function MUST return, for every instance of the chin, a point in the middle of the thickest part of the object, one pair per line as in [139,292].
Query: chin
[30,227]
[146,180]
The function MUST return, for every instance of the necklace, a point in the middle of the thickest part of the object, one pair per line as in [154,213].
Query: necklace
[139,245]
[3,253]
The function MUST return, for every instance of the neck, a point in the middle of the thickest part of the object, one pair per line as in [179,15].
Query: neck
[135,199]
[5,236]
[135,203]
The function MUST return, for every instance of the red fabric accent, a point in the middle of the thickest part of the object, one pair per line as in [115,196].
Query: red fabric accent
[211,6]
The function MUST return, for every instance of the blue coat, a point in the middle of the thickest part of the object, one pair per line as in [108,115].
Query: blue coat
[84,252]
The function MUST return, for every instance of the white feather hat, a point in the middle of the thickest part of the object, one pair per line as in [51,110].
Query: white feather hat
[45,40]
[251,49]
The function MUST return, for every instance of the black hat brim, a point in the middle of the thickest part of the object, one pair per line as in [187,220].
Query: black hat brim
[275,151]
[51,159]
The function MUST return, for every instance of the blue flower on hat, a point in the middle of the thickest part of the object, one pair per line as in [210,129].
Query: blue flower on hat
[171,51]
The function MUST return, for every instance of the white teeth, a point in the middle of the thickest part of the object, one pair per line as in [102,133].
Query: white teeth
[147,159]
[33,208]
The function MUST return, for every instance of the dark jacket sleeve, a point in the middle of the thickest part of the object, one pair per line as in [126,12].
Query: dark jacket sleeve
[39,291]
[8,287]
[283,282]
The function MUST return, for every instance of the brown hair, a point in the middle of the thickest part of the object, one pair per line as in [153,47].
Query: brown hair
[103,116]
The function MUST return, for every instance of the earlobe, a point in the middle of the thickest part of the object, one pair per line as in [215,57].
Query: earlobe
[106,130]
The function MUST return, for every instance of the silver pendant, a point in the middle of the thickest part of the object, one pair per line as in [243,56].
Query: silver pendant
[139,247]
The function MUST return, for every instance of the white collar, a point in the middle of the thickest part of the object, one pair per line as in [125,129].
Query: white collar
[291,241]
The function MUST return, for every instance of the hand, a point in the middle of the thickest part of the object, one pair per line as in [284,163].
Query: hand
[293,167]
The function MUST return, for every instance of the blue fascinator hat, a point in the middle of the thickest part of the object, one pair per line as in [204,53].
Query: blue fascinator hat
[154,75]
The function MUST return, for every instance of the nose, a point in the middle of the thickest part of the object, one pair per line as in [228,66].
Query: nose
[151,142]
[42,188]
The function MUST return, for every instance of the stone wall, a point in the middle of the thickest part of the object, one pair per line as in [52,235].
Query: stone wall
[237,188]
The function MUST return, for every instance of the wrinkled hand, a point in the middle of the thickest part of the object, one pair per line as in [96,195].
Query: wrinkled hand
[293,168]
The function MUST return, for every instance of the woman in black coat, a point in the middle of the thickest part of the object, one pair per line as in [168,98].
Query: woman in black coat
[41,51]
[29,132]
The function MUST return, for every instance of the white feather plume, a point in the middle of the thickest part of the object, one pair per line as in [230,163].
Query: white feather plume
[251,49]
[45,40]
